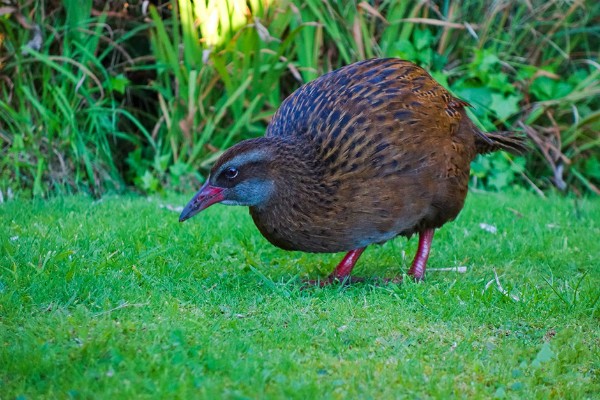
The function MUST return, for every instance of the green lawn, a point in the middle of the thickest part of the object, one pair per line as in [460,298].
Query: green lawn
[115,298]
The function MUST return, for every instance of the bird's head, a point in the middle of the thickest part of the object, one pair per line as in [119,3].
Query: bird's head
[242,176]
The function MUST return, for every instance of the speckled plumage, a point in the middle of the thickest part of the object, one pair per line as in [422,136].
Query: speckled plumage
[360,155]
[373,150]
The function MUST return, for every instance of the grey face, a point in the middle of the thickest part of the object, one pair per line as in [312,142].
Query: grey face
[245,176]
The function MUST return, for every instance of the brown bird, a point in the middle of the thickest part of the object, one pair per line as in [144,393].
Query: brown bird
[360,155]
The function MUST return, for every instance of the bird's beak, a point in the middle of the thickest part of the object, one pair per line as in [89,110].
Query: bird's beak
[206,197]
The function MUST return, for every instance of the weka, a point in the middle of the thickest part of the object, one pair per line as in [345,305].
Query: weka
[358,156]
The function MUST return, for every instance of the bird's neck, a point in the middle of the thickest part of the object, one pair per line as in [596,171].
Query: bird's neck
[294,171]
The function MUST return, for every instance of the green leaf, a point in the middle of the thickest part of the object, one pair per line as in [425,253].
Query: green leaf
[500,82]
[480,166]
[149,182]
[404,49]
[484,61]
[119,83]
[489,60]
[542,88]
[526,72]
[500,180]
[592,167]
[161,162]
[179,168]
[475,95]
[562,89]
[422,39]
[504,107]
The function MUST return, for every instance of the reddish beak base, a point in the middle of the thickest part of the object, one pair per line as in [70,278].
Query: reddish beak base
[206,197]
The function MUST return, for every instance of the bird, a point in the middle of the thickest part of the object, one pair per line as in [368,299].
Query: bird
[360,155]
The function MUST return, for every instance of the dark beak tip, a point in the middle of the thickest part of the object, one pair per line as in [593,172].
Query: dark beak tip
[206,196]
[185,215]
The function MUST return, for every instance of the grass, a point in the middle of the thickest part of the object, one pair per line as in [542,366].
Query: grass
[115,298]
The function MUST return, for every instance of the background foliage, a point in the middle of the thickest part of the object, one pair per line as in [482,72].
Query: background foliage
[99,96]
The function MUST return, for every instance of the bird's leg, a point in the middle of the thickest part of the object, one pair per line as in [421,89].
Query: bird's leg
[417,269]
[342,271]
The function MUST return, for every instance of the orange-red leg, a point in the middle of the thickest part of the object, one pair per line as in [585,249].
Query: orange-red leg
[343,270]
[417,269]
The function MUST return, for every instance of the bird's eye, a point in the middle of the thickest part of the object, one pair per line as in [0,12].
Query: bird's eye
[231,172]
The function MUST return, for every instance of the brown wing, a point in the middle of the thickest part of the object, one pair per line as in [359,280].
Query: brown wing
[379,110]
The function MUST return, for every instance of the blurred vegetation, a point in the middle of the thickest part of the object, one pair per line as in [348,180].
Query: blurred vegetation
[98,96]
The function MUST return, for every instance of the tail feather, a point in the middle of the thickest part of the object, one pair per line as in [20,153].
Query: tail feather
[507,141]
